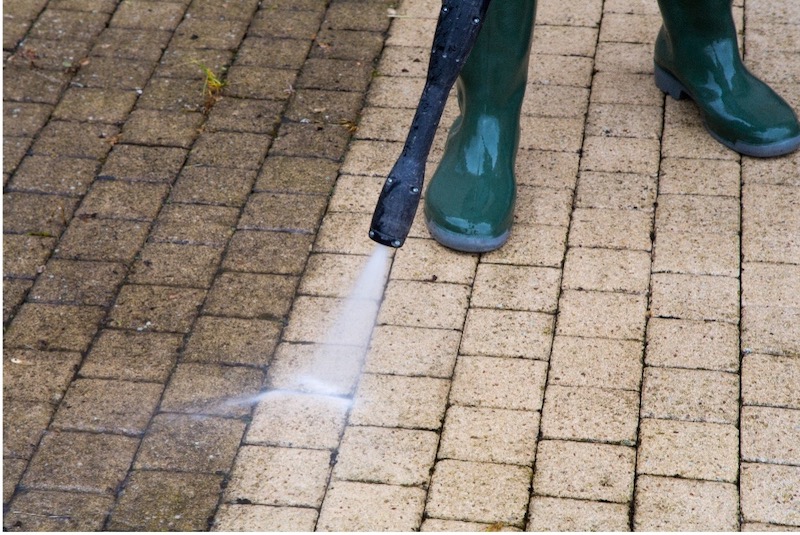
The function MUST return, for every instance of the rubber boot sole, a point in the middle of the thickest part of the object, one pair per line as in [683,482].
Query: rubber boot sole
[465,242]
[670,85]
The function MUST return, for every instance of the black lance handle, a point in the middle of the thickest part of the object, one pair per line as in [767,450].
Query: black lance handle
[456,32]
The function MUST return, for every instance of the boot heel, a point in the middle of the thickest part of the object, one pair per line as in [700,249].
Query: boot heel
[669,84]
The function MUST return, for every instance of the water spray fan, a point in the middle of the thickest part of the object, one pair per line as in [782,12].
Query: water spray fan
[456,31]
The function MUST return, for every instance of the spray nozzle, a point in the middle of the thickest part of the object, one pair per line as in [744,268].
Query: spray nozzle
[456,30]
[397,204]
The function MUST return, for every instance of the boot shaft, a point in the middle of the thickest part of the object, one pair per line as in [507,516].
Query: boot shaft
[496,71]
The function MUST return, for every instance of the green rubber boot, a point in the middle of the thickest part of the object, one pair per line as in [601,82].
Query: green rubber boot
[696,56]
[469,205]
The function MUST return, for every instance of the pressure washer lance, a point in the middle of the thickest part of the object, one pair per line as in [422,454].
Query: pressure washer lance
[456,31]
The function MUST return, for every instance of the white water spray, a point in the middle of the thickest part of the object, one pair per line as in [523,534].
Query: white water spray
[335,363]
[341,353]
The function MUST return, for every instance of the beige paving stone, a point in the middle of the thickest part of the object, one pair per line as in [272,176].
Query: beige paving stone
[606,270]
[489,435]
[555,101]
[561,514]
[597,414]
[689,450]
[640,7]
[316,368]
[624,120]
[770,435]
[772,330]
[404,61]
[267,252]
[132,355]
[564,40]
[279,476]
[156,308]
[298,420]
[692,395]
[438,525]
[691,141]
[23,426]
[340,275]
[12,472]
[479,492]
[53,327]
[212,389]
[552,69]
[770,493]
[695,297]
[232,341]
[670,504]
[516,288]
[429,304]
[616,229]
[501,383]
[682,176]
[233,517]
[355,194]
[352,506]
[620,155]
[384,124]
[707,345]
[777,171]
[562,134]
[547,169]
[630,27]
[345,233]
[507,333]
[543,206]
[759,526]
[584,471]
[84,462]
[616,191]
[38,376]
[296,174]
[426,260]
[572,13]
[596,362]
[411,31]
[770,380]
[57,511]
[195,224]
[419,228]
[772,285]
[101,406]
[395,401]
[390,456]
[602,315]
[531,245]
[697,253]
[320,320]
[412,351]
[697,213]
[625,88]
[371,158]
[624,57]
[395,92]
[685,137]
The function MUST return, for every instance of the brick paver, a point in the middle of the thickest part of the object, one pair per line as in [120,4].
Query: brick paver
[175,262]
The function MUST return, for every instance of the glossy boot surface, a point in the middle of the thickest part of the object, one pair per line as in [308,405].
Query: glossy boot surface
[469,205]
[697,56]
